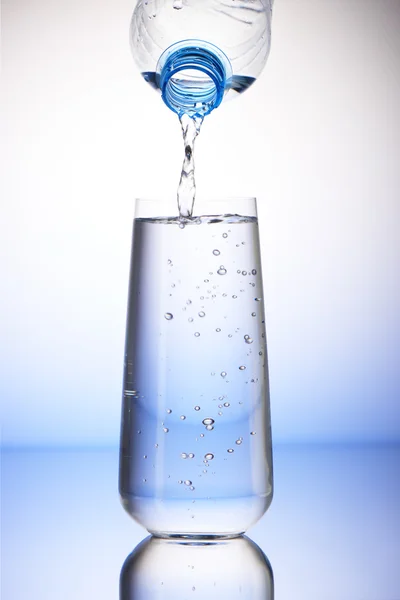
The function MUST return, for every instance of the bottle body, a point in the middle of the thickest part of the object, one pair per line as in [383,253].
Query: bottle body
[195,454]
[202,50]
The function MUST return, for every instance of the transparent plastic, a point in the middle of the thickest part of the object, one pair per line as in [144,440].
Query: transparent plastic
[199,52]
[195,453]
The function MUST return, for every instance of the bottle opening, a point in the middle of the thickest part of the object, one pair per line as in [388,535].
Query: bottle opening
[193,76]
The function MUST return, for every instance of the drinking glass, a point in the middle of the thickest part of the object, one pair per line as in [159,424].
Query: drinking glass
[195,451]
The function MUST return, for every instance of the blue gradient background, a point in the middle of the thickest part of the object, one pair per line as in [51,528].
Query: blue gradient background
[317,141]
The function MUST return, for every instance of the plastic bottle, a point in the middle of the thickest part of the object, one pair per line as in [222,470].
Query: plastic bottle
[199,52]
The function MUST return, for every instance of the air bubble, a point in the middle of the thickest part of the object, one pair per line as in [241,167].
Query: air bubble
[209,456]
[188,302]
[202,435]
[229,335]
[244,272]
[221,270]
[169,411]
[230,450]
[218,330]
[155,445]
[182,417]
[238,271]
[184,455]
[168,316]
[209,427]
[224,235]
[208,421]
[190,319]
[178,4]
[202,313]
[216,252]
[188,482]
[242,368]
[223,373]
[181,225]
[252,433]
[260,353]
[253,314]
[165,429]
[206,280]
[145,456]
[197,334]
[258,299]
[191,455]
[248,339]
[197,408]
[239,441]
[169,261]
[234,297]
[254,272]
[220,413]
[192,488]
[180,481]
[226,404]
[144,480]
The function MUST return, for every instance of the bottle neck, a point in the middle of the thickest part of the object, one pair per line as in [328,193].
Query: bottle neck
[193,77]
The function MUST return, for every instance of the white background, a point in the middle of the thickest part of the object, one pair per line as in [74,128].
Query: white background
[316,140]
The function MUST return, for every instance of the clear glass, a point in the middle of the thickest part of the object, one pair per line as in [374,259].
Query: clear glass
[195,453]
[177,570]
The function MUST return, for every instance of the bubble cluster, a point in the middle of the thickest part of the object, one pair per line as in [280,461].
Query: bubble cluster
[221,270]
[248,339]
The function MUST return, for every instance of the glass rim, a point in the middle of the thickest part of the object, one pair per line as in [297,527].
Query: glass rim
[207,206]
[200,200]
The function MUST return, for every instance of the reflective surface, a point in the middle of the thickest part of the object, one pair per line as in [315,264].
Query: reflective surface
[174,569]
[332,531]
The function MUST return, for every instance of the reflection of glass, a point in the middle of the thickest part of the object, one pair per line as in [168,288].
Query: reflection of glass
[180,569]
[195,455]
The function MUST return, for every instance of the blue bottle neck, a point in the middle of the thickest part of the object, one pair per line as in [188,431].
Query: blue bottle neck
[193,77]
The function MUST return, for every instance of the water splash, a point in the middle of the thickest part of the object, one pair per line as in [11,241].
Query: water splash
[187,184]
